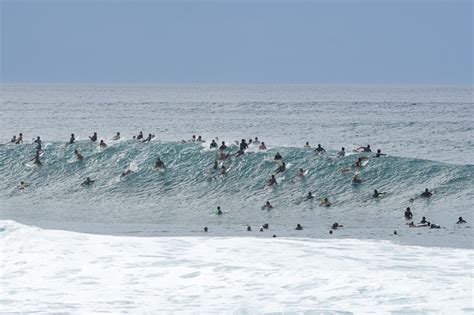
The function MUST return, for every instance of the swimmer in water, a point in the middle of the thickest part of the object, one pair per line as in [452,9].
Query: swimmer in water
[408,214]
[87,182]
[78,155]
[309,196]
[22,185]
[365,149]
[341,153]
[307,145]
[272,181]
[13,140]
[102,144]
[356,179]
[199,139]
[426,193]
[19,139]
[255,141]
[159,163]
[219,211]
[377,194]
[319,149]
[93,137]
[379,153]
[223,146]
[126,173]
[117,136]
[461,221]
[213,144]
[267,206]
[278,157]
[281,168]
[325,202]
[262,146]
[72,139]
[140,135]
[298,227]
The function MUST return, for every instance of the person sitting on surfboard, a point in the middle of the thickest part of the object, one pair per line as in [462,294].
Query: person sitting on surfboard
[262,146]
[309,196]
[22,185]
[159,163]
[278,157]
[38,143]
[461,221]
[148,139]
[341,153]
[72,139]
[319,149]
[19,139]
[213,144]
[93,137]
[267,206]
[218,211]
[140,136]
[243,145]
[272,181]
[117,136]
[298,227]
[379,153]
[87,182]
[78,155]
[301,172]
[408,214]
[325,202]
[223,146]
[13,140]
[102,144]
[307,145]
[365,149]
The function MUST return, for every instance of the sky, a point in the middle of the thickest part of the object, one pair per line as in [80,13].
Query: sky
[237,42]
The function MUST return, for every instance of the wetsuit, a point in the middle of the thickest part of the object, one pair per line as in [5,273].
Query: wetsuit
[93,137]
[213,145]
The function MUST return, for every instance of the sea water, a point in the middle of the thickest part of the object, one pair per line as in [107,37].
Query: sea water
[151,222]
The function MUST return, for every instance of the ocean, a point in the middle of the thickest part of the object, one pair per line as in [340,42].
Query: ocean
[148,226]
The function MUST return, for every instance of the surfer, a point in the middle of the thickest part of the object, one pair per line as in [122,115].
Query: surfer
[309,196]
[461,221]
[102,144]
[281,168]
[255,141]
[423,221]
[148,139]
[78,155]
[13,140]
[408,214]
[38,143]
[325,202]
[243,145]
[272,181]
[223,146]
[341,153]
[356,179]
[140,135]
[93,137]
[365,149]
[126,173]
[301,172]
[319,149]
[267,206]
[379,153]
[87,182]
[262,146]
[213,144]
[336,225]
[434,226]
[298,227]
[358,164]
[199,139]
[278,157]
[426,193]
[159,163]
[72,139]
[22,185]
[117,136]
[307,145]
[19,139]
[377,194]
[218,211]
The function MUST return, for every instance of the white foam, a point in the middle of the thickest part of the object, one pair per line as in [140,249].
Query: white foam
[58,271]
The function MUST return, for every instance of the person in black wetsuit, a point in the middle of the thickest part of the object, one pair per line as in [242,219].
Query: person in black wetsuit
[159,163]
[117,136]
[140,135]
[341,153]
[309,196]
[219,211]
[13,140]
[102,144]
[87,182]
[319,149]
[461,221]
[281,168]
[243,145]
[278,157]
[426,193]
[379,153]
[377,194]
[148,139]
[365,149]
[19,139]
[213,144]
[72,139]
[272,181]
[298,227]
[408,214]
[93,137]
[37,158]
[223,146]
[423,220]
[38,143]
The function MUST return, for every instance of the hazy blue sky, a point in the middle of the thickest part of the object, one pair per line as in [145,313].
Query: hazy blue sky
[320,42]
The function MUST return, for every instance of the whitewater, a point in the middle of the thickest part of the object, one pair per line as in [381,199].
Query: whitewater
[136,244]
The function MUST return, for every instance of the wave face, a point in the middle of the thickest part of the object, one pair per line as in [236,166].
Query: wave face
[188,192]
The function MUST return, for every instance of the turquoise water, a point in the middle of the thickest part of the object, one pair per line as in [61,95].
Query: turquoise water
[426,132]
